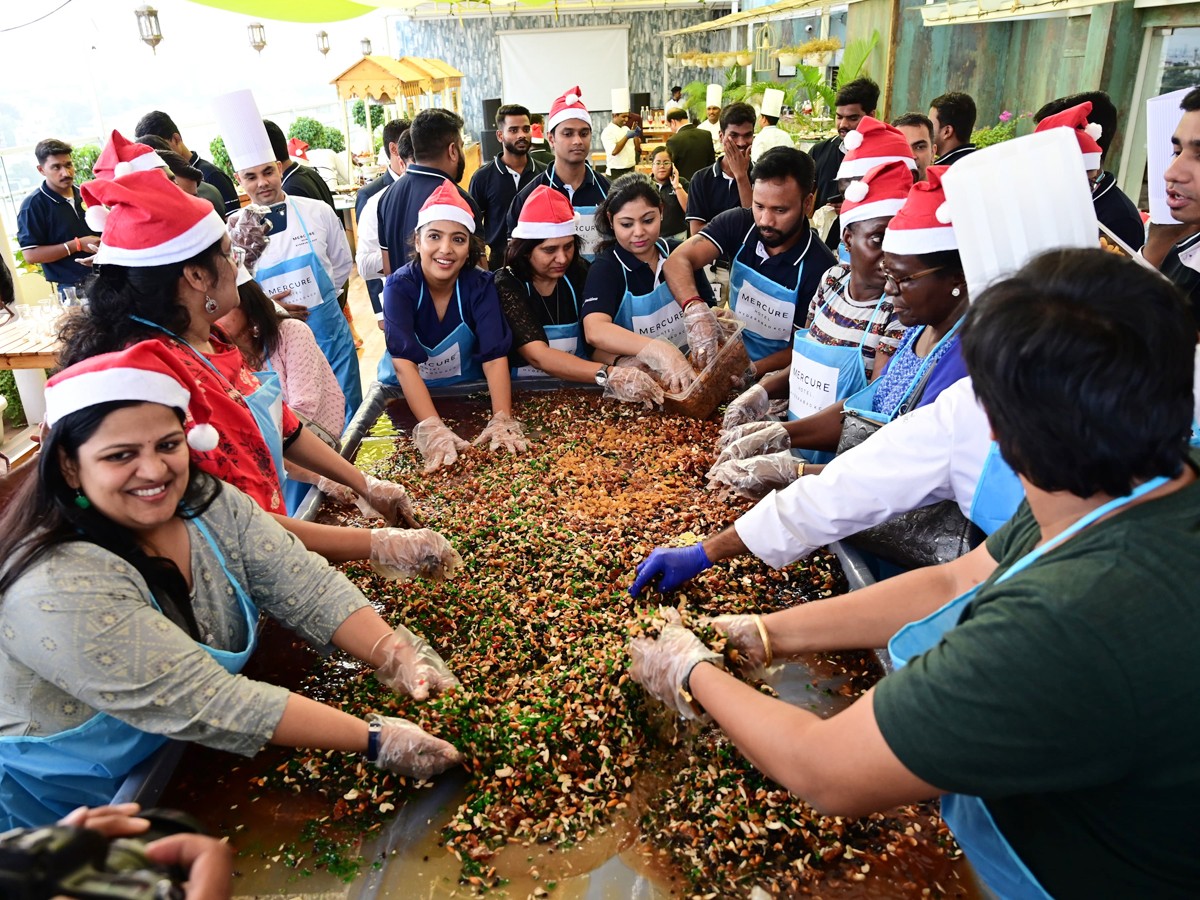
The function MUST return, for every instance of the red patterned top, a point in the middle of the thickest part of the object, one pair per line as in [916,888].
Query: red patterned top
[242,457]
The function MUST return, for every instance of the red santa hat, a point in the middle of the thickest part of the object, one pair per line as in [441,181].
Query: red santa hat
[147,372]
[121,156]
[923,223]
[881,192]
[546,214]
[297,148]
[447,204]
[568,106]
[871,144]
[1087,133]
[149,221]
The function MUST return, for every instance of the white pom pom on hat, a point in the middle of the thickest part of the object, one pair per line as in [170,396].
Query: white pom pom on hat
[857,191]
[571,98]
[121,169]
[203,438]
[1095,130]
[95,216]
[943,214]
[853,140]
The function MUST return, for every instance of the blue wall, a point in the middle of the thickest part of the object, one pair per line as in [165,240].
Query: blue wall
[470,45]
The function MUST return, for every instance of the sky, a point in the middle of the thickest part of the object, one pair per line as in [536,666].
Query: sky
[83,70]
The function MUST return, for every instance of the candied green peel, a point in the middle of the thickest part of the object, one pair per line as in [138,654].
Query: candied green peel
[554,733]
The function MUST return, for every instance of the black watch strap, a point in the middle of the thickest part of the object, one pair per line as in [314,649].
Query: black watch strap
[374,730]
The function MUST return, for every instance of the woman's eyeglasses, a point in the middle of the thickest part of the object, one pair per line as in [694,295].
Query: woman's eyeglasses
[898,283]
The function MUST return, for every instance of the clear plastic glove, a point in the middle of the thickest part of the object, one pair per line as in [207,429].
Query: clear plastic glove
[674,565]
[703,333]
[407,749]
[778,408]
[757,476]
[752,406]
[437,444]
[674,372]
[633,386]
[728,436]
[503,432]
[385,500]
[660,665]
[632,362]
[750,441]
[748,636]
[403,554]
[248,229]
[410,666]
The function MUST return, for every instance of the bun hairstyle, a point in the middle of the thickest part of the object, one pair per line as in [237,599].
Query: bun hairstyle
[626,189]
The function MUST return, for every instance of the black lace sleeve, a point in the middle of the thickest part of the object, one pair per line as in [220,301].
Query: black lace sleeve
[514,301]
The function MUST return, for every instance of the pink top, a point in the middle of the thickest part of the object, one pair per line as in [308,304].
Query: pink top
[309,385]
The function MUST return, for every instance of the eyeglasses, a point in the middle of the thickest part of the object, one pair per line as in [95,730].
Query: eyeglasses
[662,162]
[898,283]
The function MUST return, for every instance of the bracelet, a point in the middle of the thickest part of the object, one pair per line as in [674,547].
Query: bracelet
[800,468]
[78,245]
[374,729]
[67,247]
[690,300]
[762,633]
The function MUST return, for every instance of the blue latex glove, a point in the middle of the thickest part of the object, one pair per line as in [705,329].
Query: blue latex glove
[630,134]
[674,565]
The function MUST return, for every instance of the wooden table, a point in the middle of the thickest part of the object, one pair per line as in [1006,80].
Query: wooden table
[22,347]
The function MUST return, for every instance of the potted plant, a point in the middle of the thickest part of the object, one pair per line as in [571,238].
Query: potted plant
[819,51]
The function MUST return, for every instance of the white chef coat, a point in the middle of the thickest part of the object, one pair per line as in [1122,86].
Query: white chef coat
[324,230]
[933,453]
[368,254]
[771,136]
[609,138]
[715,129]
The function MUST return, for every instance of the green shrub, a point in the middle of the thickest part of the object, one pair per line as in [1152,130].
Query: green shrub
[8,387]
[316,135]
[84,158]
[220,156]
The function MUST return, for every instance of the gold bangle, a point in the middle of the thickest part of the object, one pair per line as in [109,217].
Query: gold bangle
[762,633]
[800,469]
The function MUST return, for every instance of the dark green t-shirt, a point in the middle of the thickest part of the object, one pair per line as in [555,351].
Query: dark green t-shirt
[1068,697]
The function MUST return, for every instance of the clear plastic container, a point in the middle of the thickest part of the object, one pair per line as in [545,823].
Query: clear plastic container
[717,381]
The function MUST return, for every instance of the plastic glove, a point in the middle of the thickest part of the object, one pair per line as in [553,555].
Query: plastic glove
[633,386]
[660,665]
[703,334]
[399,553]
[747,440]
[778,408]
[388,496]
[437,444]
[751,406]
[503,431]
[745,635]
[674,565]
[407,749]
[674,372]
[631,133]
[410,666]
[757,476]
[632,362]
[248,229]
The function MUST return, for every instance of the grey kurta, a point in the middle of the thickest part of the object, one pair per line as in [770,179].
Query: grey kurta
[79,634]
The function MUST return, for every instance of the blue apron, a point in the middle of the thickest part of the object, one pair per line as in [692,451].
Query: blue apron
[998,492]
[265,404]
[44,778]
[311,286]
[822,374]
[654,315]
[450,362]
[766,308]
[968,818]
[862,403]
[567,338]
[585,223]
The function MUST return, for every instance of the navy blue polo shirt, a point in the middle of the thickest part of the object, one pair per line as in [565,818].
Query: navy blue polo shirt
[672,221]
[616,269]
[47,219]
[219,180]
[409,321]
[734,232]
[1116,212]
[493,188]
[401,204]
[591,192]
[710,193]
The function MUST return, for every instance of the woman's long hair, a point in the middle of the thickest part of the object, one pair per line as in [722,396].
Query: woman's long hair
[263,319]
[626,189]
[41,514]
[118,293]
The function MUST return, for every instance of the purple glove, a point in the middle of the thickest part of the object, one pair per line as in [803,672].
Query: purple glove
[674,565]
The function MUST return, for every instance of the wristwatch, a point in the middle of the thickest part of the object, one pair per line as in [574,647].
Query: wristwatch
[685,693]
[374,730]
[602,376]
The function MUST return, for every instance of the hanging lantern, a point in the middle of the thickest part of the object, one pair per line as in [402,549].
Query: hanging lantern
[258,36]
[148,28]
[366,46]
[323,42]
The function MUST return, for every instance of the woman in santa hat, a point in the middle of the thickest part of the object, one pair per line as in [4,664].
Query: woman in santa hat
[132,589]
[166,271]
[924,281]
[539,291]
[443,326]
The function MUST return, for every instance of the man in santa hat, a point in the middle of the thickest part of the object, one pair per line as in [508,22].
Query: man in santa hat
[570,134]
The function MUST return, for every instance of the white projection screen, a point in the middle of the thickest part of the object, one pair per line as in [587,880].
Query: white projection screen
[537,65]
